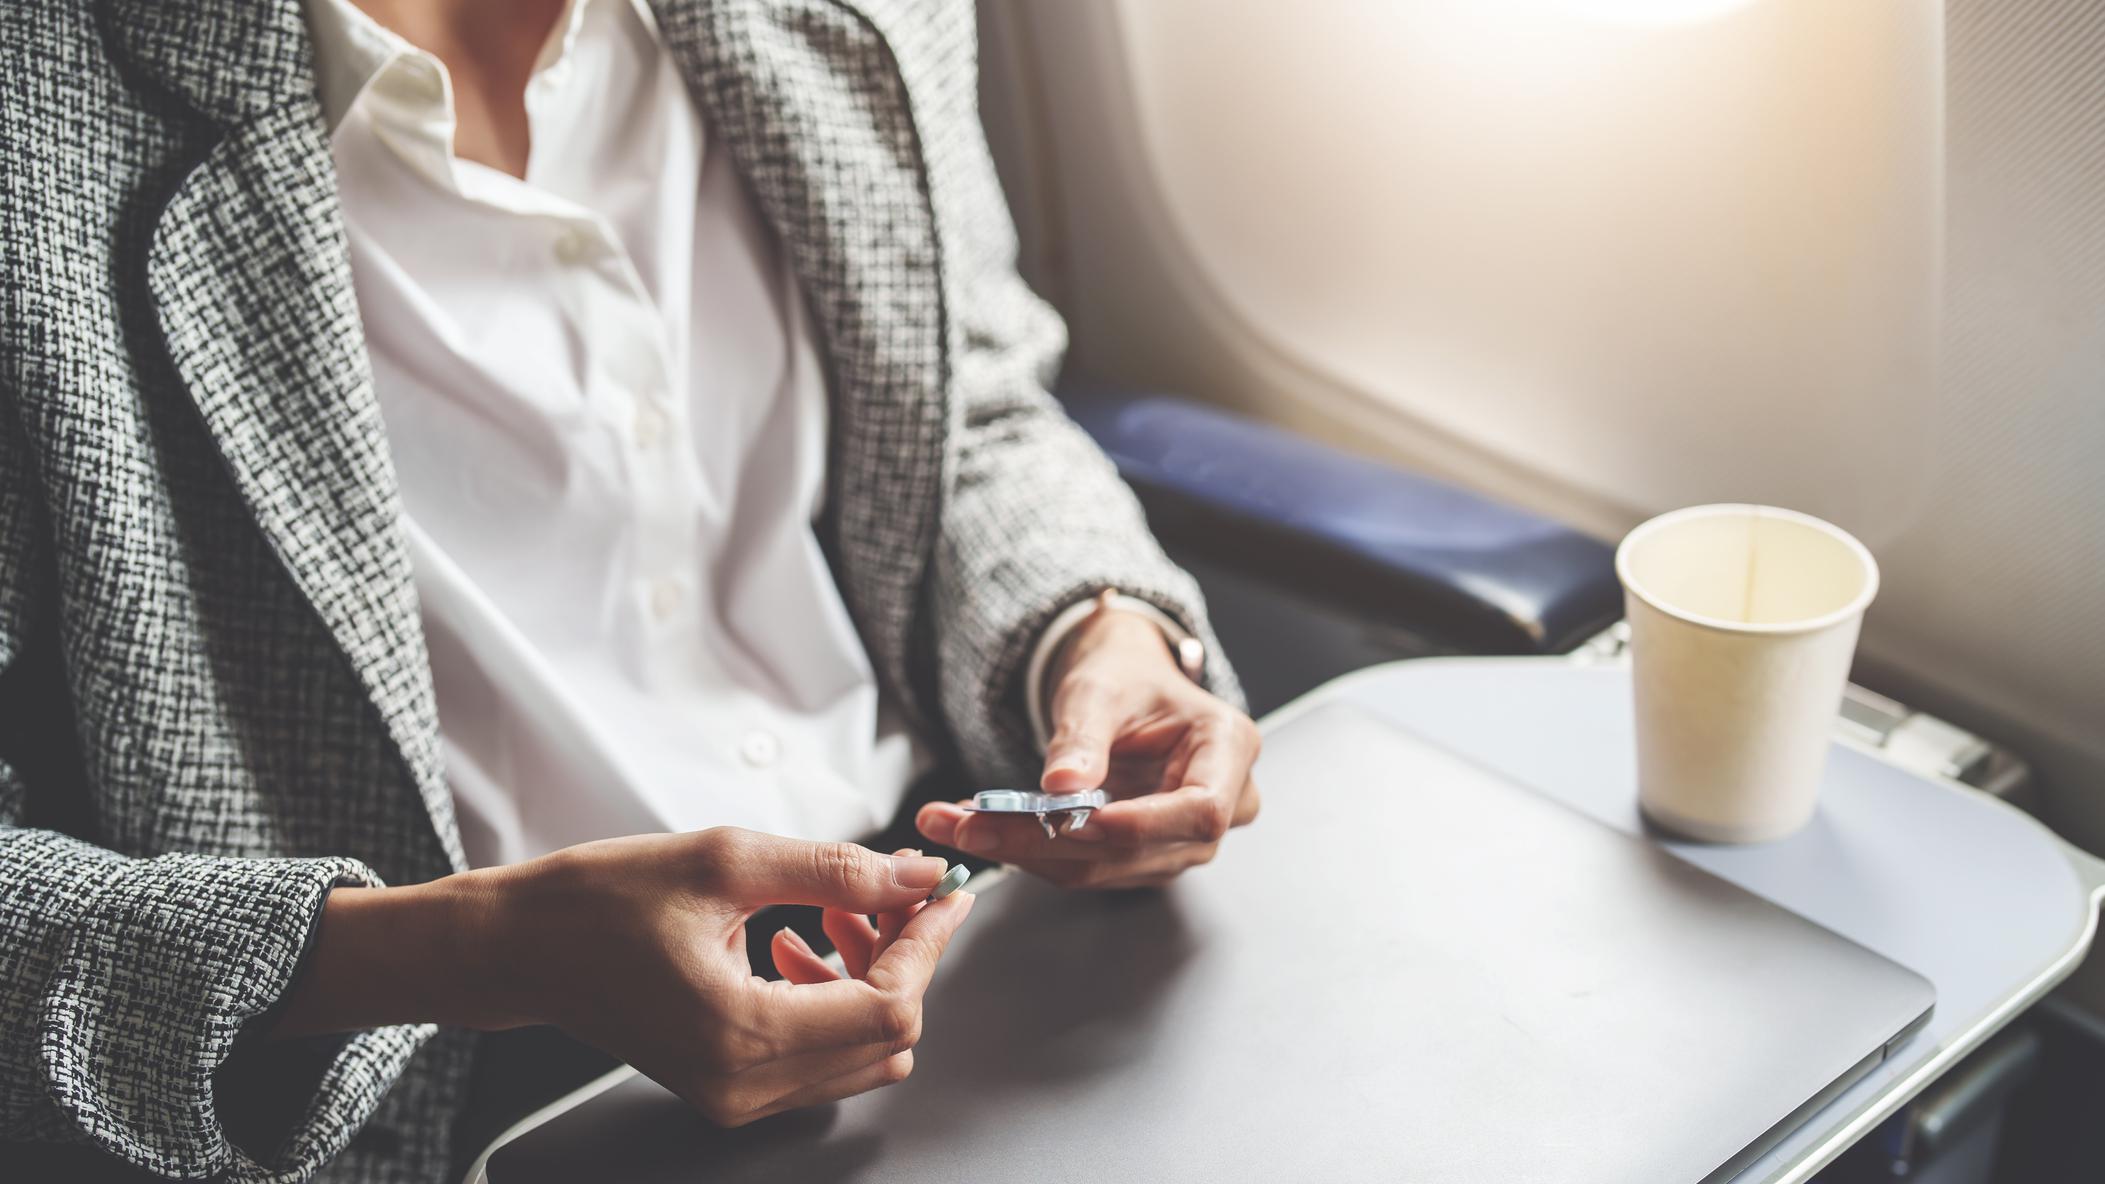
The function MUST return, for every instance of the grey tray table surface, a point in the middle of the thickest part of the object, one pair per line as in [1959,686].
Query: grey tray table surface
[1965,890]
[1971,893]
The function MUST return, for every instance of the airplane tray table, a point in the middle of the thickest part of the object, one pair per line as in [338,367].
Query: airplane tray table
[1969,892]
[1973,895]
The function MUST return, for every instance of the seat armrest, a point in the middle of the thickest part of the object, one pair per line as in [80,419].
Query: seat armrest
[1473,574]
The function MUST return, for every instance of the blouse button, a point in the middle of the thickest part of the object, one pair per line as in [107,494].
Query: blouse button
[649,427]
[574,246]
[760,749]
[665,599]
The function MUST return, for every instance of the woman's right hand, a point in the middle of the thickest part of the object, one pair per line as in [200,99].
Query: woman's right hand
[637,946]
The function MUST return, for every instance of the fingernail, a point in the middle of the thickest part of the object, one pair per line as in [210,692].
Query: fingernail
[1085,833]
[917,873]
[796,939]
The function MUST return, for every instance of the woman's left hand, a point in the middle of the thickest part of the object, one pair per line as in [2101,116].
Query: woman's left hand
[1174,759]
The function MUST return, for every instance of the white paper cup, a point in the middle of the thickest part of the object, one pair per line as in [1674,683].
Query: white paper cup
[1743,620]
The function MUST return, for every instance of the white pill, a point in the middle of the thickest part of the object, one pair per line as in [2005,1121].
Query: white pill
[952,880]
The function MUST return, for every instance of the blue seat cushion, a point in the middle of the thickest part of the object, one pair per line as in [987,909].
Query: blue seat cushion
[1426,554]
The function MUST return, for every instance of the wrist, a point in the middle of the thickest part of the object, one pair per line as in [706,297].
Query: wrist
[489,980]
[1113,629]
[1092,625]
[421,953]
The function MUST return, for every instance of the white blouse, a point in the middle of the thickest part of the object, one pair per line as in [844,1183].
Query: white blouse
[608,419]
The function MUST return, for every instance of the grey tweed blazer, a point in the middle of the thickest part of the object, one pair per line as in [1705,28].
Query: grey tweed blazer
[214,699]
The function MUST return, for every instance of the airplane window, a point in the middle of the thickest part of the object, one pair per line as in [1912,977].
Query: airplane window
[1643,258]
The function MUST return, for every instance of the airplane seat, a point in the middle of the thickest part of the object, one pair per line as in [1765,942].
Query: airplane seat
[1316,562]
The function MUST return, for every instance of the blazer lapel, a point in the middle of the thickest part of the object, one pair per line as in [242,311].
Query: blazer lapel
[250,279]
[849,199]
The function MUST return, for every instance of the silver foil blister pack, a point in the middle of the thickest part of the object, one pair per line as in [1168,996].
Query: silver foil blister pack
[1058,813]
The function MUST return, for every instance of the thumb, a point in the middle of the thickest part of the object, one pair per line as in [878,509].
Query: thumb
[1078,756]
[762,870]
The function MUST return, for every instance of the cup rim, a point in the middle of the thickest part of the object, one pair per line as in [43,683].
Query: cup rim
[1855,607]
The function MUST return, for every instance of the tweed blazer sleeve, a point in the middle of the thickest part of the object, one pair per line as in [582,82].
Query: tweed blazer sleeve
[124,982]
[1037,517]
